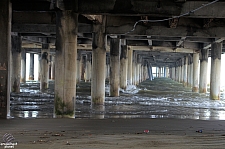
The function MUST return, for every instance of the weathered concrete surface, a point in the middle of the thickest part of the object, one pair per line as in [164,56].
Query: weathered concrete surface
[138,70]
[215,71]
[134,68]
[190,73]
[195,72]
[114,79]
[98,63]
[123,67]
[16,63]
[88,71]
[5,42]
[130,64]
[53,67]
[66,56]
[23,66]
[203,71]
[44,67]
[39,66]
[79,68]
[31,70]
[185,71]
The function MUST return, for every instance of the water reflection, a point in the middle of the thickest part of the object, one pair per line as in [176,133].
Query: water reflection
[160,98]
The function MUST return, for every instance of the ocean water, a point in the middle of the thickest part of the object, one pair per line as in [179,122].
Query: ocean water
[160,98]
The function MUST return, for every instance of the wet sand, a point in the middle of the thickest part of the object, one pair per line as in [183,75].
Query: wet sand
[114,133]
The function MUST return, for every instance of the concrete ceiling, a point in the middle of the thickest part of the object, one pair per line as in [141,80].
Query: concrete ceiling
[162,42]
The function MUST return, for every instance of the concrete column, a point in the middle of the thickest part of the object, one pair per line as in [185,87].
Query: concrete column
[88,71]
[16,63]
[23,66]
[49,66]
[182,71]
[216,50]
[123,67]
[53,68]
[129,67]
[145,72]
[174,73]
[203,70]
[185,72]
[190,73]
[134,68]
[159,72]
[5,57]
[114,79]
[83,67]
[195,72]
[138,70]
[39,67]
[166,72]
[79,66]
[65,64]
[107,71]
[150,74]
[142,73]
[177,72]
[44,67]
[31,72]
[98,63]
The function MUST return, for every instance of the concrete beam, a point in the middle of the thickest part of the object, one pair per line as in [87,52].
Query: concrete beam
[216,41]
[46,28]
[180,31]
[21,17]
[163,49]
[153,8]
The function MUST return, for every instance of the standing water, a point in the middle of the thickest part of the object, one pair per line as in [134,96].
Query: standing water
[160,98]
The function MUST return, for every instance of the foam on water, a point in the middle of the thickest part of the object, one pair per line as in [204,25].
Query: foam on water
[160,98]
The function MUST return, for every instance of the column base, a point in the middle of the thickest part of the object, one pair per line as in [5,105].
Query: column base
[98,101]
[195,89]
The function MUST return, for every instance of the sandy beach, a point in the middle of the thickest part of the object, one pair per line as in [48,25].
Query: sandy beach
[114,133]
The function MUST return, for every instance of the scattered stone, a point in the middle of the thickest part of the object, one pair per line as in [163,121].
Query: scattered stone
[67,143]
